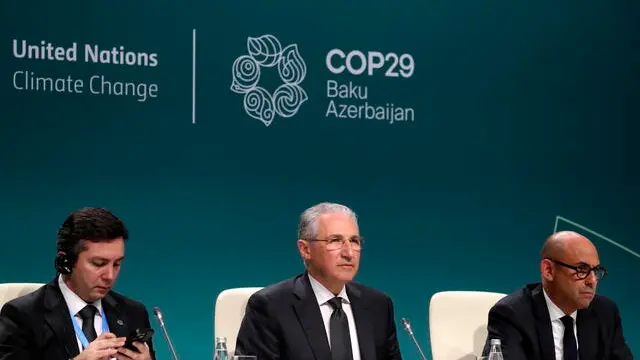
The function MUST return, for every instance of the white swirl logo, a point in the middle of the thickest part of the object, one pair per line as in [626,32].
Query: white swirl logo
[266,51]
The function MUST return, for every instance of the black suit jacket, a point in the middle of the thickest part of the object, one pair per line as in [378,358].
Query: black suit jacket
[38,325]
[521,320]
[283,322]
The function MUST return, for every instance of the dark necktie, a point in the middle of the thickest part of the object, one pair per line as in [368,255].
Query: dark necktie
[339,332]
[569,341]
[87,314]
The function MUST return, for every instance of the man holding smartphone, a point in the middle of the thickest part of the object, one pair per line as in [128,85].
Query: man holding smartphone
[77,315]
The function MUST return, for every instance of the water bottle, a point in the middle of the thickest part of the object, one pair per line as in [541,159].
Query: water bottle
[496,350]
[221,352]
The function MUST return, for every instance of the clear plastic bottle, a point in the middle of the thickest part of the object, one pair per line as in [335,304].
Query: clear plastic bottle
[221,352]
[496,350]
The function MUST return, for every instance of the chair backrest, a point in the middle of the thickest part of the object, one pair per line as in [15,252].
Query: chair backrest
[458,323]
[10,291]
[229,311]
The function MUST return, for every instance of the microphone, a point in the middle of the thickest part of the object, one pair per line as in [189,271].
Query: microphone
[158,315]
[407,327]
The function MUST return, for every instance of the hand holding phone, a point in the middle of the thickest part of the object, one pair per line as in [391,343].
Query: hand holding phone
[141,335]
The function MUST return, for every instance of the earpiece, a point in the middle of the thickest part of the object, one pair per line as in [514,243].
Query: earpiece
[63,264]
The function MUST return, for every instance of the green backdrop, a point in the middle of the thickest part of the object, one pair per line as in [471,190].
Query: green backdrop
[520,113]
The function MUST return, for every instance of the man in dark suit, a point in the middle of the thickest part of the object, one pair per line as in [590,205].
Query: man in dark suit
[560,318]
[77,315]
[321,314]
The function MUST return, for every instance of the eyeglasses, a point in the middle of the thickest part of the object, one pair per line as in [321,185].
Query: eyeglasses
[583,270]
[337,242]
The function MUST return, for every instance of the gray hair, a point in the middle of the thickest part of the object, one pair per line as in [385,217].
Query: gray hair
[308,226]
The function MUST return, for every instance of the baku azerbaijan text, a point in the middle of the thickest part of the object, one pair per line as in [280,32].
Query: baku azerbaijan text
[351,92]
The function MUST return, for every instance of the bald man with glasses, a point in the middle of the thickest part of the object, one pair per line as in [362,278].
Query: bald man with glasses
[562,317]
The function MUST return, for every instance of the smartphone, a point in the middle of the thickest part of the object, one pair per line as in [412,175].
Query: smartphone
[140,335]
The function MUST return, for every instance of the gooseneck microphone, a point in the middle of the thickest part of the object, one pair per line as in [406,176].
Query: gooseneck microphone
[158,315]
[407,327]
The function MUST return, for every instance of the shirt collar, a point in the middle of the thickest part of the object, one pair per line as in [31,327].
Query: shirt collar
[323,294]
[74,302]
[555,313]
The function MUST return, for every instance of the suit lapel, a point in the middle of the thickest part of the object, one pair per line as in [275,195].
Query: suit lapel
[115,317]
[363,324]
[310,317]
[587,335]
[58,318]
[543,324]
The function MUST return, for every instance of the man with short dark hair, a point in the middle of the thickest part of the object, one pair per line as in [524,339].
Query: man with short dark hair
[560,318]
[322,314]
[77,315]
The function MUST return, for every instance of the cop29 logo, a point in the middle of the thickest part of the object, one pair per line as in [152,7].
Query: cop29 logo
[266,52]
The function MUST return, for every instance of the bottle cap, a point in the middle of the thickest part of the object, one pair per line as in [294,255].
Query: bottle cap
[495,342]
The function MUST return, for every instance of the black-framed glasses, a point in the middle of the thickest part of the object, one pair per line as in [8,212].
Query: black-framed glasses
[336,242]
[583,270]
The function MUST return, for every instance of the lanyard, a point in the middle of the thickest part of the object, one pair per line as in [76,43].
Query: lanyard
[80,333]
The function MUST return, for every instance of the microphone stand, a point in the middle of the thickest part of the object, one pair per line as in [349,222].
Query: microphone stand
[159,317]
[407,327]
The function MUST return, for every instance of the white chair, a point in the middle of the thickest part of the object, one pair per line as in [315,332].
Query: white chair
[458,323]
[229,311]
[10,291]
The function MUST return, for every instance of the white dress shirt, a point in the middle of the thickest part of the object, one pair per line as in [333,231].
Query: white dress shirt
[75,304]
[558,327]
[323,295]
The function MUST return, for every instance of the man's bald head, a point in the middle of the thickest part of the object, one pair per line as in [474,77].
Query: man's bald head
[558,244]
